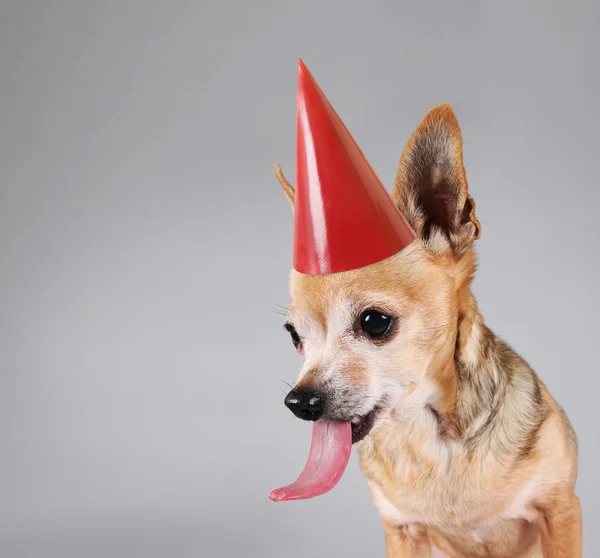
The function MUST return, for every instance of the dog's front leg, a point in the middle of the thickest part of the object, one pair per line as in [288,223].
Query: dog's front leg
[561,528]
[405,542]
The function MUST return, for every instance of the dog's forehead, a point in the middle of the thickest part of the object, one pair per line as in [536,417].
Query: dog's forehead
[319,301]
[327,300]
[401,272]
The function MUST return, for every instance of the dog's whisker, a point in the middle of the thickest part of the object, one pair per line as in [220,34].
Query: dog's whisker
[280,306]
[277,308]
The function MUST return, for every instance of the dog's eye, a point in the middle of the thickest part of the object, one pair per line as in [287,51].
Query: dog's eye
[294,335]
[375,324]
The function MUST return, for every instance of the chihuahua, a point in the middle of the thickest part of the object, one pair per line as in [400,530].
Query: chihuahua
[465,451]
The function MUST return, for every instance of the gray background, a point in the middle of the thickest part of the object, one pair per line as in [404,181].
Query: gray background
[145,245]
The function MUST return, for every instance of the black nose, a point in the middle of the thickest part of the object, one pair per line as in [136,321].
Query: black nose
[305,404]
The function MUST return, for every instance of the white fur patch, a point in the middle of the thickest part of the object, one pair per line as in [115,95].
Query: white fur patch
[339,318]
[314,339]
[387,510]
[473,344]
[521,506]
[478,535]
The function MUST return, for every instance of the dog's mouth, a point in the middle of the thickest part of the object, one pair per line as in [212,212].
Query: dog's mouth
[330,450]
[362,425]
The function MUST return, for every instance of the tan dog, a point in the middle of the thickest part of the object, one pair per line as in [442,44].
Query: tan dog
[464,449]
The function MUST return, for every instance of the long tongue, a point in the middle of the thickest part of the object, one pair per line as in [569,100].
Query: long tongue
[329,455]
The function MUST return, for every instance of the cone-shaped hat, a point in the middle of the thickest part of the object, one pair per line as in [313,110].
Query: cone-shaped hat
[344,218]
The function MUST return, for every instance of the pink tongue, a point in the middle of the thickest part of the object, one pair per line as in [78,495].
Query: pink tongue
[329,455]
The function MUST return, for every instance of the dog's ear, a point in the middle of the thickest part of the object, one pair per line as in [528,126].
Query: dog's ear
[288,189]
[431,185]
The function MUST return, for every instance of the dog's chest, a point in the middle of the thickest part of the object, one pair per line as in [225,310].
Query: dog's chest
[411,508]
[422,485]
[500,535]
[435,488]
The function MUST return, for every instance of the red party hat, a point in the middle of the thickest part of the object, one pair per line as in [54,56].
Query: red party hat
[344,218]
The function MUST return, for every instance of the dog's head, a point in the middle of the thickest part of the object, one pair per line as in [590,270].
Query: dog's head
[382,338]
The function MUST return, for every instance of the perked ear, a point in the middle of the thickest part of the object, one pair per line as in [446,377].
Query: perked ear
[431,184]
[288,189]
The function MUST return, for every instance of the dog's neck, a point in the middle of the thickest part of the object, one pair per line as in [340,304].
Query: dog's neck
[478,387]
[466,385]
[471,387]
[466,369]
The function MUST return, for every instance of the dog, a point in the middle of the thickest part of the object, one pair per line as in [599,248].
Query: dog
[465,451]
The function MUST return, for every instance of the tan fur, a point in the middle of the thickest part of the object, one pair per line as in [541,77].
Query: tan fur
[288,189]
[471,456]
